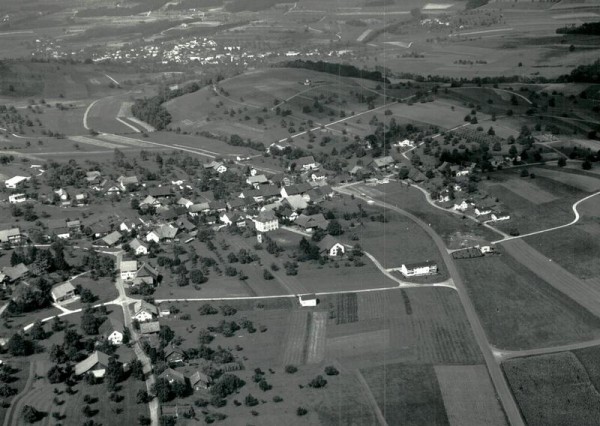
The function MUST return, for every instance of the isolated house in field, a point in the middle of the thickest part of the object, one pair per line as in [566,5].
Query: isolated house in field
[308,300]
[173,376]
[139,248]
[17,198]
[143,311]
[63,292]
[112,330]
[266,221]
[382,163]
[500,216]
[16,181]
[200,381]
[96,364]
[305,163]
[112,239]
[419,269]
[331,246]
[128,268]
[12,236]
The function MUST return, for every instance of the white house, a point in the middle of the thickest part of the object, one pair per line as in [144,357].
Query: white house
[306,163]
[138,247]
[308,300]
[127,225]
[461,207]
[499,216]
[144,311]
[163,232]
[15,181]
[63,292]
[62,194]
[128,269]
[96,364]
[17,198]
[331,246]
[481,211]
[404,144]
[419,269]
[112,330]
[266,221]
[216,166]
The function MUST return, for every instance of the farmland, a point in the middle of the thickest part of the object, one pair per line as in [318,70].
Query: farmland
[518,309]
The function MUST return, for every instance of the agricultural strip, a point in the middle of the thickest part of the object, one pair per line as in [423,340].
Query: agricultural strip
[407,394]
[95,142]
[518,309]
[316,338]
[296,338]
[529,191]
[576,180]
[555,275]
[358,344]
[469,395]
[553,390]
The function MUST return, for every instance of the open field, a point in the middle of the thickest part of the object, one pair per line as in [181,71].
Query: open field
[553,390]
[527,190]
[455,231]
[580,181]
[469,395]
[518,309]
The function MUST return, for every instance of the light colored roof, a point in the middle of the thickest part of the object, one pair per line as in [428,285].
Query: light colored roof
[128,265]
[5,234]
[88,363]
[15,180]
[420,264]
[135,244]
[257,179]
[15,272]
[266,216]
[297,202]
[149,327]
[62,290]
[110,325]
[142,305]
[112,238]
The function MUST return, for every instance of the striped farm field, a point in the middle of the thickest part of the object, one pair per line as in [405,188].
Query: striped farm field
[469,395]
[347,308]
[581,181]
[296,338]
[315,351]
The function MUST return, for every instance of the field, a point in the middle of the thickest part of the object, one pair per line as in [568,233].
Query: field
[553,390]
[455,231]
[468,395]
[518,309]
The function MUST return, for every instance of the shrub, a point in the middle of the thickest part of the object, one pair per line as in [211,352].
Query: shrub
[291,369]
[330,370]
[300,411]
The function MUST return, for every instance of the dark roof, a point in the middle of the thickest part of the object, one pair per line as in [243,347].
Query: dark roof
[160,191]
[110,325]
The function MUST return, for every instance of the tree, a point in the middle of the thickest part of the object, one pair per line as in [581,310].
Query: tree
[56,374]
[300,411]
[226,385]
[318,382]
[512,151]
[137,369]
[334,228]
[291,369]
[562,162]
[586,165]
[524,173]
[250,401]
[207,309]
[30,414]
[19,346]
[37,331]
[267,275]
[144,420]
[491,131]
[162,390]
[204,337]
[197,277]
[114,372]
[330,370]
[89,322]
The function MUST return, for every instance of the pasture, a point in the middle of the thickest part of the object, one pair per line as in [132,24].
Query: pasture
[469,395]
[553,390]
[579,180]
[518,309]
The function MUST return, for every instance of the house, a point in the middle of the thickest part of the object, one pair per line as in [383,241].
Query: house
[62,292]
[305,163]
[96,364]
[14,273]
[112,238]
[127,181]
[257,180]
[150,327]
[163,232]
[216,166]
[17,198]
[200,381]
[73,225]
[12,235]
[297,189]
[145,275]
[308,300]
[81,198]
[143,311]
[149,201]
[100,229]
[500,216]
[311,222]
[266,221]
[459,171]
[160,192]
[185,202]
[15,181]
[382,163]
[461,207]
[178,410]
[444,196]
[172,376]
[217,206]
[481,210]
[63,233]
[229,218]
[186,225]
[331,246]
[128,269]
[127,225]
[404,144]
[319,193]
[419,269]
[139,248]
[93,177]
[174,355]
[112,330]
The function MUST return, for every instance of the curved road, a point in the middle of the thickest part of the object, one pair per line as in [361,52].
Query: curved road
[502,389]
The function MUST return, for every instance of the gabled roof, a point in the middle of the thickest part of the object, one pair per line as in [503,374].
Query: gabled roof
[299,188]
[171,374]
[61,290]
[135,244]
[128,180]
[97,358]
[266,216]
[312,221]
[305,161]
[149,327]
[199,377]
[328,242]
[197,208]
[420,264]
[15,272]
[112,238]
[297,202]
[142,305]
[146,271]
[383,161]
[128,266]
[110,325]
[160,191]
[257,179]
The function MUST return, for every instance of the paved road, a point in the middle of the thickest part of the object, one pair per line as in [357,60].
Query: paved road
[502,355]
[502,389]
[12,414]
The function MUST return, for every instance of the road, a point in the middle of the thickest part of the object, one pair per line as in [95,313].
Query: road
[501,385]
[503,355]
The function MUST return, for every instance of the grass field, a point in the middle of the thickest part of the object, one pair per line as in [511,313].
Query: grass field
[469,395]
[583,182]
[407,394]
[518,309]
[553,390]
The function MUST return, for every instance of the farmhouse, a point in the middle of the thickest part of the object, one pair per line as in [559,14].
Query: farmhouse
[112,330]
[163,232]
[96,364]
[112,238]
[184,202]
[127,181]
[13,273]
[63,233]
[311,222]
[461,207]
[160,192]
[128,269]
[143,311]
[200,381]
[257,180]
[298,189]
[419,269]
[306,163]
[382,163]
[174,355]
[308,300]
[62,292]
[17,198]
[12,236]
[139,248]
[500,216]
[331,246]
[216,166]
[482,211]
[15,181]
[150,327]
[172,376]
[145,275]
[149,201]
[127,225]
[266,221]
